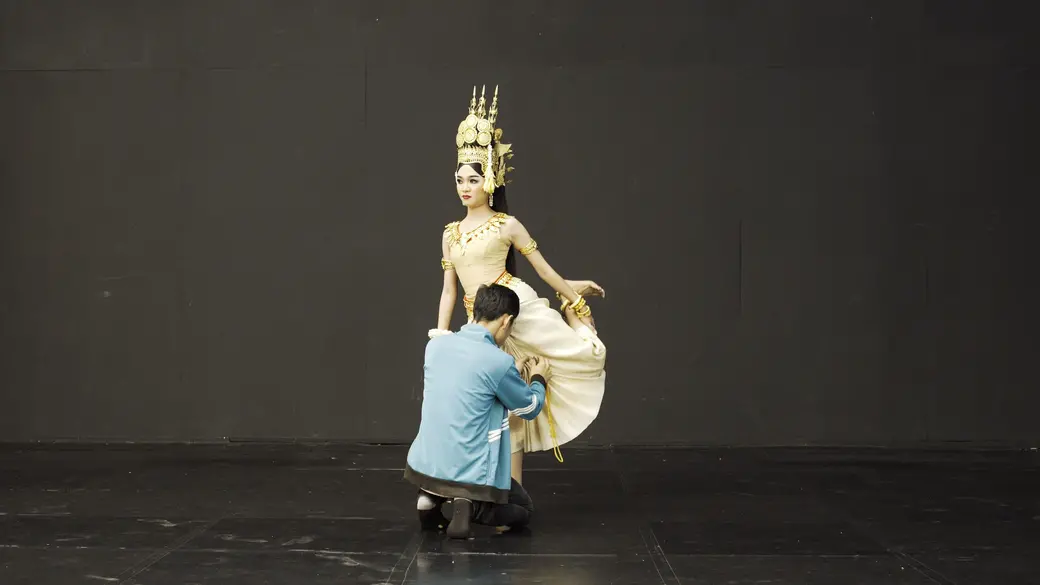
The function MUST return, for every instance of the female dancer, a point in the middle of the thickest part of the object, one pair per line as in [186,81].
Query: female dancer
[479,250]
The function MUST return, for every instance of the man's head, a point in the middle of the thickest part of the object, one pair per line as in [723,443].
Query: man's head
[494,308]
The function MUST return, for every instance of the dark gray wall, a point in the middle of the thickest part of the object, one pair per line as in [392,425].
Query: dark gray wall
[221,219]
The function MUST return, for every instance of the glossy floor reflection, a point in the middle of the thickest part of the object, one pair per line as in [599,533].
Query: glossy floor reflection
[249,514]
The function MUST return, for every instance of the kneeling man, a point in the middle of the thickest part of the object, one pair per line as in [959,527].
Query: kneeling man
[470,387]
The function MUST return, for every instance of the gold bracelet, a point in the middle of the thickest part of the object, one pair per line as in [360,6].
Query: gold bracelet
[579,306]
[578,303]
[447,264]
[530,247]
[564,303]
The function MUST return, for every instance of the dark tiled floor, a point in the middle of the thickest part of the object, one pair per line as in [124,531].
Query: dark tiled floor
[155,515]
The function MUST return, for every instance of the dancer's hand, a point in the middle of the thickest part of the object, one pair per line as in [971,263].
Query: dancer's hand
[587,288]
[589,322]
[572,318]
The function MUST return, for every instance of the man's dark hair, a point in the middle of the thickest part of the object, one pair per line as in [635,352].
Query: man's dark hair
[493,301]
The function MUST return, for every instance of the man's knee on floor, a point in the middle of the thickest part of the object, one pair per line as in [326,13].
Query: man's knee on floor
[521,516]
[519,497]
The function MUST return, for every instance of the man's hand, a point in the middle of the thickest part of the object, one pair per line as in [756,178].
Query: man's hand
[522,366]
[538,366]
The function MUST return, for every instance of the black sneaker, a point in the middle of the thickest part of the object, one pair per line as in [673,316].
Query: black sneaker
[460,518]
[432,520]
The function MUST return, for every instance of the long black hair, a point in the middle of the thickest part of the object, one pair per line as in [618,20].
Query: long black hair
[501,206]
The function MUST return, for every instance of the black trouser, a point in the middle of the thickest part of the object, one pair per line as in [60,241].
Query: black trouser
[516,512]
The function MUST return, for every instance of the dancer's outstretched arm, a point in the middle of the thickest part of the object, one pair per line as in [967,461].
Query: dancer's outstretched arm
[522,241]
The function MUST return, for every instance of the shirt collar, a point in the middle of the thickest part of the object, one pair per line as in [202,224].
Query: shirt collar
[474,331]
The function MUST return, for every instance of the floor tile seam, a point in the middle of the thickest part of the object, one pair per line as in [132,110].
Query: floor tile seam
[411,551]
[864,529]
[923,568]
[154,558]
[653,546]
[658,559]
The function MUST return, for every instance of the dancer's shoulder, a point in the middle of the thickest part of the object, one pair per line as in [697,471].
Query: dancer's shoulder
[450,229]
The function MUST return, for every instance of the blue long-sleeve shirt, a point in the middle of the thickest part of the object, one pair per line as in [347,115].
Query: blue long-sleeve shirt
[470,386]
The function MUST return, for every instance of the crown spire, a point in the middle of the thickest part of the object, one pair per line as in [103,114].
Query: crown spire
[480,105]
[493,112]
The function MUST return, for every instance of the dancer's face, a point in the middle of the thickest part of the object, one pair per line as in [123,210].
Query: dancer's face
[470,186]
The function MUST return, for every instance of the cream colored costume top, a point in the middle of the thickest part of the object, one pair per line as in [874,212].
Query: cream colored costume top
[576,356]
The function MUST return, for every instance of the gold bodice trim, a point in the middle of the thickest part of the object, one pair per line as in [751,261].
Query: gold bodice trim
[492,226]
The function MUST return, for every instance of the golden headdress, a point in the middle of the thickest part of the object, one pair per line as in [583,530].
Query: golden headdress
[478,141]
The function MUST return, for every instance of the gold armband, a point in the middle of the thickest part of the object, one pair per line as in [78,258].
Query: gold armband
[530,247]
[447,264]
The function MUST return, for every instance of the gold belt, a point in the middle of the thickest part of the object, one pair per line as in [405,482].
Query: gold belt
[505,279]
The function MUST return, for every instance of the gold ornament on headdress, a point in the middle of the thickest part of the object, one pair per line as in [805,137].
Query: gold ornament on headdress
[478,141]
